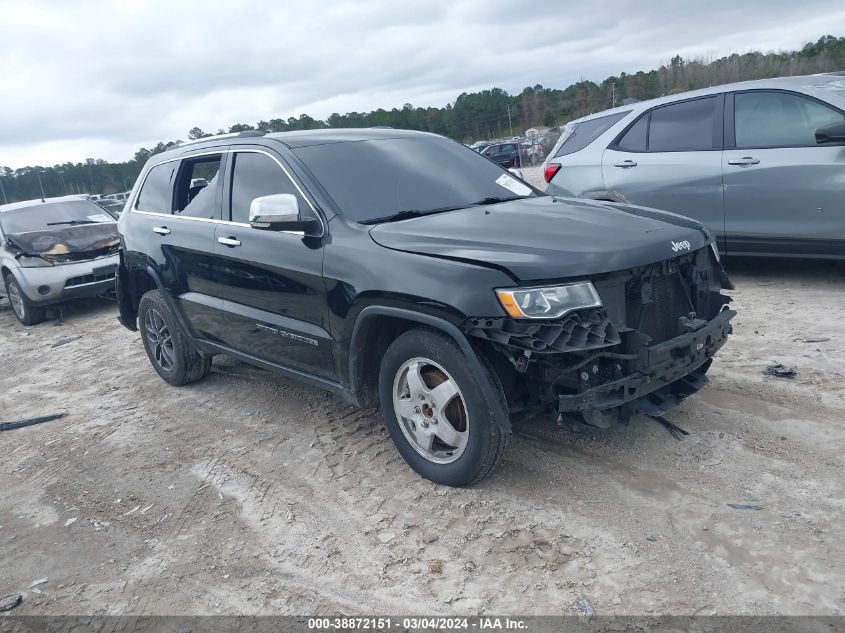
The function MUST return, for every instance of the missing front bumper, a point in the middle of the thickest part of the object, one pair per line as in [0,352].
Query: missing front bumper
[662,375]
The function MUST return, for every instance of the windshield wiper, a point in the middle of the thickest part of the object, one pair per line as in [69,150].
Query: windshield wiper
[494,200]
[407,215]
[395,217]
[72,222]
[413,213]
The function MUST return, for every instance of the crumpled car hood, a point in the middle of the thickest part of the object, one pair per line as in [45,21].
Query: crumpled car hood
[543,238]
[69,243]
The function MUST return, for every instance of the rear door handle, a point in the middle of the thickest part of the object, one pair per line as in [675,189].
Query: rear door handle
[626,163]
[745,160]
[231,242]
[161,230]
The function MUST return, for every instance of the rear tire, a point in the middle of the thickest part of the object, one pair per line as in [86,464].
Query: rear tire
[435,410]
[24,310]
[170,350]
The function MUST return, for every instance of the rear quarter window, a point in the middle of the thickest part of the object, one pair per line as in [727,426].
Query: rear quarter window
[586,132]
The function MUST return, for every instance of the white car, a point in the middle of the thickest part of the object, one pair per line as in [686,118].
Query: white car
[760,163]
[53,250]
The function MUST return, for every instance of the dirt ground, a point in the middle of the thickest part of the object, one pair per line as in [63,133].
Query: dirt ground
[251,494]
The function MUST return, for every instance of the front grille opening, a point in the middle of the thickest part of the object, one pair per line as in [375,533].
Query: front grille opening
[655,301]
[81,280]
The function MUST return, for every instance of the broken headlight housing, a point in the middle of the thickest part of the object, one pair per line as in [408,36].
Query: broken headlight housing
[550,302]
[27,261]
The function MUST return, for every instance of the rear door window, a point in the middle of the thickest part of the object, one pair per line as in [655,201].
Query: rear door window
[586,132]
[155,194]
[197,187]
[779,119]
[683,127]
[255,175]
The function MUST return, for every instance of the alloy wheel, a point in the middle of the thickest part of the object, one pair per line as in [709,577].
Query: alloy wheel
[159,339]
[431,410]
[16,299]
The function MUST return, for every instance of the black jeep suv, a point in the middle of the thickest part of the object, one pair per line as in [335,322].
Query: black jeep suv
[403,270]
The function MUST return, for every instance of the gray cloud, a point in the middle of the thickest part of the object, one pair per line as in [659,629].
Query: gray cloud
[101,79]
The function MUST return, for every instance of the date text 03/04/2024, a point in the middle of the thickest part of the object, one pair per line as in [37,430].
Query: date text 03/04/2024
[416,623]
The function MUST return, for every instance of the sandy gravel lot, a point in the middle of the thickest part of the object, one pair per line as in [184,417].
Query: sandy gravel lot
[249,494]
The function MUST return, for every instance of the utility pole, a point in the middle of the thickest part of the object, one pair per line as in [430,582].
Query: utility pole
[3,189]
[510,125]
[38,174]
[64,184]
[613,95]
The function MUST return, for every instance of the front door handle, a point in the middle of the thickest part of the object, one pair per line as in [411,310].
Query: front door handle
[231,242]
[626,163]
[745,160]
[161,230]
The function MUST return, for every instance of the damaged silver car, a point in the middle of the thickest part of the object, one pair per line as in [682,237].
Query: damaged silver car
[53,250]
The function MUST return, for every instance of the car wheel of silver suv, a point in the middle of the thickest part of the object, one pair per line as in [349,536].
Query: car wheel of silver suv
[22,307]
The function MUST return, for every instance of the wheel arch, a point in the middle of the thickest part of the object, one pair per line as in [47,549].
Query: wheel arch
[138,281]
[131,285]
[376,327]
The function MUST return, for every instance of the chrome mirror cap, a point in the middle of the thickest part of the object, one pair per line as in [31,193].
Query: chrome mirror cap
[279,208]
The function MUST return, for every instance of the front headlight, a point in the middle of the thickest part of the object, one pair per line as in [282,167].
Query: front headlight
[32,262]
[548,303]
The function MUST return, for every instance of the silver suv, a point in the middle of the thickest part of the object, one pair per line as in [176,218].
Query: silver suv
[53,250]
[762,163]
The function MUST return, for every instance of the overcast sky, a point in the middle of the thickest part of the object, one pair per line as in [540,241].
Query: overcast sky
[83,79]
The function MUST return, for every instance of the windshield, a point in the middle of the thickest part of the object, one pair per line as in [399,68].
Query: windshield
[44,216]
[832,91]
[376,179]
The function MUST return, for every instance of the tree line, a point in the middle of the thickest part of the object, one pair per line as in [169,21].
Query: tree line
[473,116]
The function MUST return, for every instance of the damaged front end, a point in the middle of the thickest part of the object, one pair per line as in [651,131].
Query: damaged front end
[67,244]
[646,347]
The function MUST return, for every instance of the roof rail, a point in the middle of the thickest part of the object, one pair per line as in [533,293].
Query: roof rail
[214,137]
[630,101]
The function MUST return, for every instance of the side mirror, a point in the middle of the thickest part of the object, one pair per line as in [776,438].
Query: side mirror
[518,173]
[831,134]
[279,212]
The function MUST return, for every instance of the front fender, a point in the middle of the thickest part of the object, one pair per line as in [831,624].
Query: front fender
[434,322]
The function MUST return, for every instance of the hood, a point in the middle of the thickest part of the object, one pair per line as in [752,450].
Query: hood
[69,243]
[548,238]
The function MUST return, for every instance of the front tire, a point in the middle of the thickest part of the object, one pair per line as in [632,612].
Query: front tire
[170,350]
[435,411]
[24,310]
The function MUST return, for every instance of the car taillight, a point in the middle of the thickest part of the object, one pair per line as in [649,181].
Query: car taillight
[550,171]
